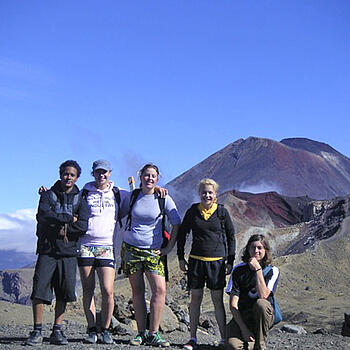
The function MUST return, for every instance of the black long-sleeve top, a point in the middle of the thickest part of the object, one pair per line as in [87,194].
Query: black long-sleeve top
[209,239]
[52,215]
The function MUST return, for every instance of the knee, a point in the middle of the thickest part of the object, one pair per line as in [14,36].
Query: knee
[262,306]
[107,293]
[88,290]
[159,291]
[196,301]
[233,344]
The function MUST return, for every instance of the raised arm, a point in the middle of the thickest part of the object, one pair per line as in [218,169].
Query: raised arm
[261,287]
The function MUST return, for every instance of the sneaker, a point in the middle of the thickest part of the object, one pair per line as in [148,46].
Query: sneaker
[190,345]
[58,338]
[91,338]
[156,340]
[35,338]
[106,337]
[139,339]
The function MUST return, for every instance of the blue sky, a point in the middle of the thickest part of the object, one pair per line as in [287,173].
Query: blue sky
[165,81]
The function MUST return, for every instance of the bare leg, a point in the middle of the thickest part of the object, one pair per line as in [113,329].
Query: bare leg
[138,299]
[38,309]
[158,289]
[195,305]
[60,308]
[220,315]
[87,277]
[106,277]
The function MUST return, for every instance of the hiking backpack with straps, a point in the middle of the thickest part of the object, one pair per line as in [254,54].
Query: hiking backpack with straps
[277,312]
[116,192]
[166,226]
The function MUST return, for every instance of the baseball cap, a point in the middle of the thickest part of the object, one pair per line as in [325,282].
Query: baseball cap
[101,164]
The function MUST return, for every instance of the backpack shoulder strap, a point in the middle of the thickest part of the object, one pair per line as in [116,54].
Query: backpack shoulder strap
[221,215]
[84,193]
[161,203]
[118,200]
[133,198]
[267,269]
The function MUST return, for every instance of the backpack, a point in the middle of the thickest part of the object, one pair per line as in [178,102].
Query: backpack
[116,193]
[166,226]
[277,311]
[221,214]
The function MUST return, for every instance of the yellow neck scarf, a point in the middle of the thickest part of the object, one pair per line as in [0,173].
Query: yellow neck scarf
[207,213]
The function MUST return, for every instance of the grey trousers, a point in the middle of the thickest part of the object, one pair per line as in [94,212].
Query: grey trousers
[259,320]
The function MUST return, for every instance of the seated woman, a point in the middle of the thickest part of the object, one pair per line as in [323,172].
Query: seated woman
[212,243]
[251,292]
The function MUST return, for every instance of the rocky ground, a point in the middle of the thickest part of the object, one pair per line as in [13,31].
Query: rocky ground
[12,337]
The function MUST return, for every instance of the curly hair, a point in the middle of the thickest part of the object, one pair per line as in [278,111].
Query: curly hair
[210,182]
[267,259]
[71,163]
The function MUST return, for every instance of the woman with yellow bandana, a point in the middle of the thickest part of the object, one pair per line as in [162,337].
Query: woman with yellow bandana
[211,257]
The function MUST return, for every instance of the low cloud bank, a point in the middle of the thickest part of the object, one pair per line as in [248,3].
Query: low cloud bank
[17,230]
[261,187]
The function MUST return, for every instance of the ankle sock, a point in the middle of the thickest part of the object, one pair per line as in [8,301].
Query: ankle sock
[194,340]
[57,327]
[38,327]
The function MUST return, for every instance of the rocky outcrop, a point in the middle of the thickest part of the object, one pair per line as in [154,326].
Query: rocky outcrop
[16,286]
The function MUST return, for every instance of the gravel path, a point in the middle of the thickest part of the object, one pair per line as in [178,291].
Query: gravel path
[13,337]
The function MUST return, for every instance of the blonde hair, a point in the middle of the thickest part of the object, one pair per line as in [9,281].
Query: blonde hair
[210,182]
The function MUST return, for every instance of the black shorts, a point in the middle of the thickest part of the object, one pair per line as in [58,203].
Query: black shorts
[53,273]
[211,273]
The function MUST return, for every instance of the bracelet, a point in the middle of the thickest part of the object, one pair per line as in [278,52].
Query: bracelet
[258,270]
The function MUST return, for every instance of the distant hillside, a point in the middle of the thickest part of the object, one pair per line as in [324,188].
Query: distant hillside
[293,167]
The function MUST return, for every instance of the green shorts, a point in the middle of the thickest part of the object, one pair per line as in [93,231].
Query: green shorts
[135,259]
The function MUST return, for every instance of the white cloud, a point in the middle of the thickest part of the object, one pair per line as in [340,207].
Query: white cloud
[260,187]
[17,230]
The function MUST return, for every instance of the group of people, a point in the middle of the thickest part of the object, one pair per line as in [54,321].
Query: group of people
[78,228]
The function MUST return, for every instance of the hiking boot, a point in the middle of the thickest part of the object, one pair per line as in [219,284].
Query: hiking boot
[139,339]
[35,338]
[106,337]
[91,338]
[156,340]
[190,345]
[58,338]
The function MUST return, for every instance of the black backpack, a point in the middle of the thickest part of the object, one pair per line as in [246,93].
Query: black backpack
[116,193]
[221,214]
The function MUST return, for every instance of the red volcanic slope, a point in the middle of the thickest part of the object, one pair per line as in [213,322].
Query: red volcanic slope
[293,167]
[264,209]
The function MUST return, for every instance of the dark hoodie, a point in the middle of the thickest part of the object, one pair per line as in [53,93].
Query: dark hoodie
[55,213]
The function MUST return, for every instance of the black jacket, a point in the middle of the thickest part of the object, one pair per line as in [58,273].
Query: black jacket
[56,210]
[208,238]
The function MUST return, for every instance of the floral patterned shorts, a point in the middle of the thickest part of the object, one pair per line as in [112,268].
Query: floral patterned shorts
[135,259]
[97,256]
